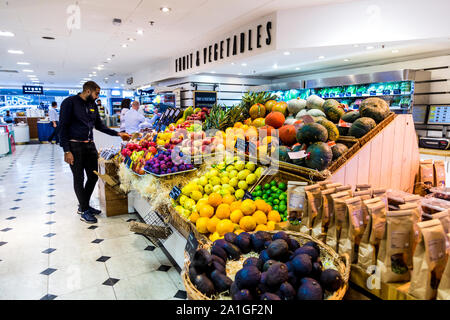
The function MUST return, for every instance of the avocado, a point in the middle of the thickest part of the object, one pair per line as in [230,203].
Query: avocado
[316,270]
[232,251]
[264,256]
[265,235]
[216,266]
[313,244]
[204,285]
[281,235]
[278,249]
[220,242]
[258,242]
[244,243]
[277,274]
[221,281]
[248,277]
[269,296]
[261,288]
[243,294]
[230,237]
[289,266]
[192,273]
[286,257]
[292,279]
[267,244]
[253,262]
[202,260]
[286,291]
[263,278]
[268,264]
[233,289]
[302,265]
[331,280]
[293,244]
[310,289]
[218,251]
[313,253]
[218,259]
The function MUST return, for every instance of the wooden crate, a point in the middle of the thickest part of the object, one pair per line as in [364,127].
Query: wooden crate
[112,203]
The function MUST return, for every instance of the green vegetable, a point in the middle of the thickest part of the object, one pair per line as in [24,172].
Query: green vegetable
[267,186]
[276,201]
[273,183]
[282,186]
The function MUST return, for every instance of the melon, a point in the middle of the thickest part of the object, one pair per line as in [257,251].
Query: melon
[258,110]
[338,150]
[332,109]
[320,156]
[298,162]
[275,119]
[288,134]
[333,132]
[269,105]
[374,108]
[361,127]
[312,132]
[282,152]
[295,105]
[316,113]
[281,107]
[314,102]
[343,131]
[351,116]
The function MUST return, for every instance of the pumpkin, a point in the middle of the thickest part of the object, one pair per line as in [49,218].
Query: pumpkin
[288,134]
[350,116]
[290,120]
[259,122]
[333,110]
[316,113]
[320,156]
[312,132]
[295,105]
[314,102]
[333,132]
[281,107]
[257,110]
[269,105]
[343,131]
[248,122]
[338,150]
[282,152]
[374,108]
[302,113]
[275,119]
[361,127]
[265,130]
[298,162]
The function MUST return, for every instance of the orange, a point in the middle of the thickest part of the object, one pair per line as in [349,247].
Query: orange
[270,226]
[223,211]
[202,202]
[224,226]
[202,224]
[274,216]
[261,227]
[248,223]
[238,124]
[238,231]
[236,205]
[248,207]
[214,199]
[228,199]
[262,205]
[236,215]
[260,217]
[212,223]
[214,236]
[194,216]
[206,211]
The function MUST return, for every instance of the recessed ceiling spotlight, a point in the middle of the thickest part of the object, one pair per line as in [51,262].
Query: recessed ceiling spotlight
[297,68]
[370,47]
[117,81]
[100,65]
[27,70]
[124,45]
[15,51]
[213,72]
[165,9]
[131,39]
[243,64]
[275,66]
[232,63]
[240,73]
[347,60]
[356,45]
[108,59]
[31,76]
[286,53]
[6,34]
[395,51]
[140,32]
[106,79]
[23,63]
[321,57]
[48,38]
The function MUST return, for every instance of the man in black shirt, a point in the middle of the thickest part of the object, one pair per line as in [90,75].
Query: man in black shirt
[78,118]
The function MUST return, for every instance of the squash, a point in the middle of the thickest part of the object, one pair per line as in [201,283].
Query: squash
[267,130]
[282,152]
[333,132]
[302,113]
[290,120]
[295,105]
[316,113]
[320,156]
[333,111]
[288,134]
[257,110]
[312,132]
[281,107]
[269,105]
[298,162]
[343,131]
[361,127]
[338,150]
[259,122]
[314,102]
[374,108]
[275,119]
[351,116]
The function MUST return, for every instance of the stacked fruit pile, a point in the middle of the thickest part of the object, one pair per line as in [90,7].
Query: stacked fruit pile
[163,163]
[283,270]
[139,152]
[275,195]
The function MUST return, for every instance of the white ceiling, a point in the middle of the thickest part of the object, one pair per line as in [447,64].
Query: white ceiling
[74,53]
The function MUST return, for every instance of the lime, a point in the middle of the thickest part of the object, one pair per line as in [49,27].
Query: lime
[259,193]
[282,186]
[282,197]
[275,207]
[273,183]
[258,188]
[258,198]
[282,202]
[270,199]
[282,208]
[254,194]
[276,201]
[265,196]
[279,192]
[267,186]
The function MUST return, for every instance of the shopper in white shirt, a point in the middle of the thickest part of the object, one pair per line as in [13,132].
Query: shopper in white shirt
[133,118]
[125,107]
[54,121]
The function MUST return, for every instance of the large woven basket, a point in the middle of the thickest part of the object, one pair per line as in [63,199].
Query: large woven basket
[184,226]
[342,264]
[278,175]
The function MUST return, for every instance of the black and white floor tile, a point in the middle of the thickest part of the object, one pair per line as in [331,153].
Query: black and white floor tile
[47,253]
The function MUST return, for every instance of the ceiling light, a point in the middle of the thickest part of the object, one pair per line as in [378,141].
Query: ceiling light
[165,9]
[106,78]
[23,63]
[321,57]
[297,68]
[240,73]
[100,65]
[369,47]
[243,64]
[117,81]
[395,51]
[213,72]
[232,63]
[31,76]
[131,39]
[6,34]
[15,51]
[275,66]
[286,53]
[27,70]
[124,45]
[347,60]
[108,59]
[122,85]
[356,45]
[140,32]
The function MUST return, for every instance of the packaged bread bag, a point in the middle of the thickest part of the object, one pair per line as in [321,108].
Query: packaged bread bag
[339,213]
[443,292]
[364,195]
[296,200]
[380,193]
[429,260]
[321,222]
[352,228]
[313,202]
[417,217]
[439,173]
[362,187]
[425,179]
[394,258]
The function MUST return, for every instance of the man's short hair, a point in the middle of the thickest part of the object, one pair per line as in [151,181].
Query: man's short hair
[90,85]
[54,103]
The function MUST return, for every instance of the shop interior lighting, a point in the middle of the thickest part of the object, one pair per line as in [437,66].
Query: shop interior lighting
[124,45]
[117,81]
[31,76]
[15,51]
[240,74]
[395,51]
[140,32]
[321,57]
[243,64]
[213,72]
[369,47]
[27,70]
[131,39]
[6,34]
[108,59]
[165,9]
[275,66]
[356,45]
[286,53]
[23,63]
[346,60]
[297,68]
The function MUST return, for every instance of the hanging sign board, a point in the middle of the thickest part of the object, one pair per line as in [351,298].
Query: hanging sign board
[205,99]
[33,90]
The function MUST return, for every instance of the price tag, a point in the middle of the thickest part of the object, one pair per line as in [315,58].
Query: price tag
[386,92]
[307,119]
[397,91]
[373,93]
[240,145]
[297,155]
[341,94]
[252,149]
[247,195]
[175,193]
[344,124]
[331,143]
[348,94]
[191,245]
[332,95]
[359,94]
[326,95]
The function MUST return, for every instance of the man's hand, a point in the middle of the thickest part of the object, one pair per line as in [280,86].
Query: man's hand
[125,136]
[68,157]
[54,124]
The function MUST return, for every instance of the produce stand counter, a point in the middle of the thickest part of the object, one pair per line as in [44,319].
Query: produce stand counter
[32,124]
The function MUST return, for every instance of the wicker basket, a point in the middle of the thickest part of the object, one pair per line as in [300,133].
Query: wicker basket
[277,175]
[184,226]
[342,264]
